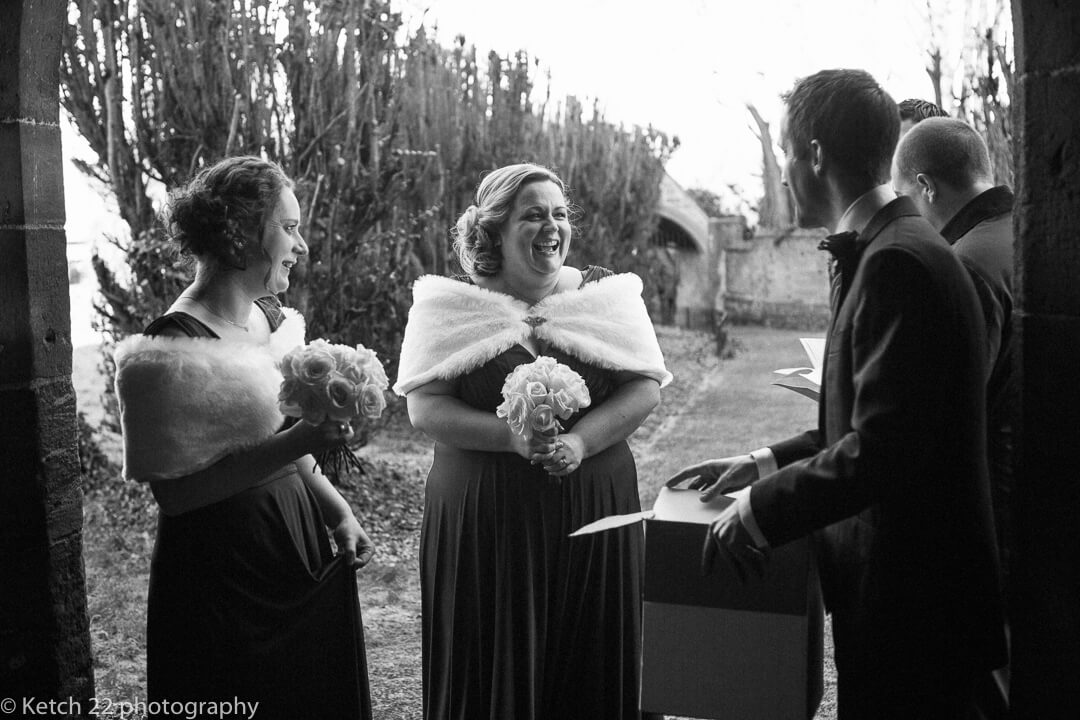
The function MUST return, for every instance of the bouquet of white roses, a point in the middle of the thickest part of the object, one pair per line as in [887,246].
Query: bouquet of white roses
[538,394]
[323,381]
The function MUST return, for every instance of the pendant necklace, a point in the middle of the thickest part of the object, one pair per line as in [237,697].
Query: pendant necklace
[242,326]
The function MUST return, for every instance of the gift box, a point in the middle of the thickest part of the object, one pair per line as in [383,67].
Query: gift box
[714,646]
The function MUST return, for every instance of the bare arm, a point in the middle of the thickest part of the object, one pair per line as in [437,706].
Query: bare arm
[436,410]
[349,536]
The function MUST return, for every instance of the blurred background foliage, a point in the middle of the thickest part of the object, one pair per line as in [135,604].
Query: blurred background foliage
[386,134]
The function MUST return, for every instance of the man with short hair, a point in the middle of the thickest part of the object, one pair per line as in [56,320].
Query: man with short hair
[893,482]
[913,111]
[944,166]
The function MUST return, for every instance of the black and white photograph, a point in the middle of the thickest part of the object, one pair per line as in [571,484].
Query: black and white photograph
[576,360]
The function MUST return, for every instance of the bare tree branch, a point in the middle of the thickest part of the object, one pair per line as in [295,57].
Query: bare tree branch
[775,210]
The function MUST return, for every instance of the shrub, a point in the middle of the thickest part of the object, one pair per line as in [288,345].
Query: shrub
[386,140]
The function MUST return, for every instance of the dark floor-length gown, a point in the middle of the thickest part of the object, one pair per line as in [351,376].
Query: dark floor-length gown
[246,601]
[520,621]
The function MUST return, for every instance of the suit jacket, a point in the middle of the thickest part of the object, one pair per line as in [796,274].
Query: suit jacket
[894,480]
[981,234]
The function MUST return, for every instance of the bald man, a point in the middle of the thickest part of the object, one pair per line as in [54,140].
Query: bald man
[943,165]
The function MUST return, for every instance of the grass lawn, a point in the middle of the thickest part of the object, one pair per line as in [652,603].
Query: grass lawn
[712,409]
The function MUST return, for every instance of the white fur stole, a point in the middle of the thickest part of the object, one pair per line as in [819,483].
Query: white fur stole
[185,403]
[455,327]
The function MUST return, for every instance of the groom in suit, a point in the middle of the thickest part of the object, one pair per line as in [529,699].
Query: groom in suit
[893,482]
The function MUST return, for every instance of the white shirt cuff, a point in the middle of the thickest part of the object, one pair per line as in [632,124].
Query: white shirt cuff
[765,461]
[746,516]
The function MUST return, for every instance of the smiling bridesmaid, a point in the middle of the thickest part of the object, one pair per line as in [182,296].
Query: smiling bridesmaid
[521,622]
[247,601]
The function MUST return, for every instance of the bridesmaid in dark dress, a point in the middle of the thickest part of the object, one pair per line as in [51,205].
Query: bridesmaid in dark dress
[247,601]
[521,622]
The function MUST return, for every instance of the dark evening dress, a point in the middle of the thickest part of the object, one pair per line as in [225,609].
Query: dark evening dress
[246,600]
[521,622]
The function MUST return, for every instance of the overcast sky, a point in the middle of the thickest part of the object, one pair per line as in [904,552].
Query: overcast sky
[689,66]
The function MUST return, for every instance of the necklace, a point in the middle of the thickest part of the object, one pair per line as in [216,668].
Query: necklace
[242,326]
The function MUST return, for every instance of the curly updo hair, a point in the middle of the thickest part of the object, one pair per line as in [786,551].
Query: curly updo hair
[476,235]
[224,209]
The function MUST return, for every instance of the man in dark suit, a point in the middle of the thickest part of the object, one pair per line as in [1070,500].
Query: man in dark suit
[943,165]
[893,483]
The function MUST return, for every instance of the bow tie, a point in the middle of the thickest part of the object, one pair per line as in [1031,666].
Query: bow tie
[843,247]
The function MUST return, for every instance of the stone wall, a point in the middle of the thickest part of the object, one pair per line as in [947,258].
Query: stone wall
[44,630]
[1046,499]
[776,278]
[772,278]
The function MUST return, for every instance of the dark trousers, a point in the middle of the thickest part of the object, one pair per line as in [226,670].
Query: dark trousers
[872,686]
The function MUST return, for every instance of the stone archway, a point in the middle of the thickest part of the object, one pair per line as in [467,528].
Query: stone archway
[672,247]
[691,258]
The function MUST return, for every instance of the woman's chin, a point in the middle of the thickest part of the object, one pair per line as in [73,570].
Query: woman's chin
[547,265]
[277,286]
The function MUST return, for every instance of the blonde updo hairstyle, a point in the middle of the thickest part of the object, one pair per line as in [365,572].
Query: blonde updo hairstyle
[477,240]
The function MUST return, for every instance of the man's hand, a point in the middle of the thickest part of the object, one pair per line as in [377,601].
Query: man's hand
[716,477]
[729,540]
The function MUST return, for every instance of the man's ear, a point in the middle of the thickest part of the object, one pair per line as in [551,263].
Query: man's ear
[928,187]
[817,158]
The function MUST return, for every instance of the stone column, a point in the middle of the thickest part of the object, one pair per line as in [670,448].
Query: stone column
[1046,605]
[44,631]
[724,233]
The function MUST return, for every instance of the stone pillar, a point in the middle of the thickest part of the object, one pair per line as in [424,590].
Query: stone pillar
[44,631]
[1046,606]
[724,233]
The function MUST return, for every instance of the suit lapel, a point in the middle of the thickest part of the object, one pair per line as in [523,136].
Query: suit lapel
[898,208]
[841,282]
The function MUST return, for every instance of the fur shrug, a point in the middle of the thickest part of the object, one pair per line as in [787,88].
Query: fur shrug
[185,403]
[455,327]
